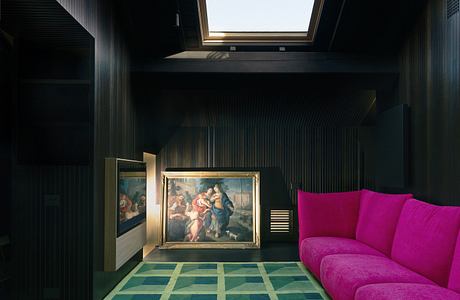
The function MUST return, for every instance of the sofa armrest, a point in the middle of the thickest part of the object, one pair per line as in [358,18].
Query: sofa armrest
[330,214]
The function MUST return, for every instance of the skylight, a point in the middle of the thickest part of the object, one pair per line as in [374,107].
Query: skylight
[259,21]
[259,15]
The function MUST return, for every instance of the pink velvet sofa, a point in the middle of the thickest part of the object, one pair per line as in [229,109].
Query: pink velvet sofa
[365,245]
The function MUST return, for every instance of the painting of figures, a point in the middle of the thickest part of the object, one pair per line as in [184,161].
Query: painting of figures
[132,199]
[206,209]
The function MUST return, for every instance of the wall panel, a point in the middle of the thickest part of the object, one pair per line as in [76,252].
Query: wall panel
[316,159]
[307,138]
[430,84]
[60,248]
[51,232]
[115,123]
[114,112]
[5,131]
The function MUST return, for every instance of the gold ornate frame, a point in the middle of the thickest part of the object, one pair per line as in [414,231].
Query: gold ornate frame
[212,245]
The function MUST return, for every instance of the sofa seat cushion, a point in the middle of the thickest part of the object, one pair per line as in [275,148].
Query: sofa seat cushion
[314,249]
[343,274]
[404,291]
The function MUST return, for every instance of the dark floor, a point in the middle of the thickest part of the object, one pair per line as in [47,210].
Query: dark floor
[267,252]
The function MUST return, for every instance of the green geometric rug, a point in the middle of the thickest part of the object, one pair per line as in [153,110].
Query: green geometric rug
[218,281]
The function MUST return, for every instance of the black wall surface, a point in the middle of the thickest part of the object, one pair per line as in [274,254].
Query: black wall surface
[315,159]
[57,207]
[297,139]
[391,136]
[49,97]
[5,130]
[115,123]
[430,85]
[52,183]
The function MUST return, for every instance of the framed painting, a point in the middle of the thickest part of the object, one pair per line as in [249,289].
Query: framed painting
[211,209]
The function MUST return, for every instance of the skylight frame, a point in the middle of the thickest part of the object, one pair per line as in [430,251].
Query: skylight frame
[259,38]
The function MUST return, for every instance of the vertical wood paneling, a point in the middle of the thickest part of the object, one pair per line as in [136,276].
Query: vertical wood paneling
[51,230]
[62,246]
[58,230]
[319,159]
[5,134]
[430,84]
[114,113]
[291,137]
[84,11]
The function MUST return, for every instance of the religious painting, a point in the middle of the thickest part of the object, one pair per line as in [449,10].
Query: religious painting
[132,186]
[211,209]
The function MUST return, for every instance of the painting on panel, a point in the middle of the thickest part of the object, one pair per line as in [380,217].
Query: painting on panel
[132,181]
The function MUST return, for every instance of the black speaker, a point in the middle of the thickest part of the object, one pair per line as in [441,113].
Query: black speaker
[392,148]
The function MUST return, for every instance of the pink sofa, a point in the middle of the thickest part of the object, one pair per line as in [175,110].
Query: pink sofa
[366,245]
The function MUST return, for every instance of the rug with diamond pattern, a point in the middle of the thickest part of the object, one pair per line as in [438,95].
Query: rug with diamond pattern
[218,281]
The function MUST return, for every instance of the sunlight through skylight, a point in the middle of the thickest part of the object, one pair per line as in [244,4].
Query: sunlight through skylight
[259,15]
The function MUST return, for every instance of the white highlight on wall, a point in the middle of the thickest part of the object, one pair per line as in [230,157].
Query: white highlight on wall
[153,208]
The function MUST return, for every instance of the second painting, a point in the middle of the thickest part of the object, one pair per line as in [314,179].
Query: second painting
[211,209]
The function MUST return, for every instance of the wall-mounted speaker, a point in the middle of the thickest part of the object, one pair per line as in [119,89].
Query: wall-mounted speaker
[393,148]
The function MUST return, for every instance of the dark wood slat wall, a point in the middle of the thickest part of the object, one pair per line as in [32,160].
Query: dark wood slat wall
[56,239]
[430,84]
[38,21]
[5,131]
[115,123]
[318,159]
[51,237]
[309,140]
[69,237]
[51,206]
[85,12]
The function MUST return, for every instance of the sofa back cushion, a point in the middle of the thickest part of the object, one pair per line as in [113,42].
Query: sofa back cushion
[425,239]
[454,280]
[378,216]
[332,214]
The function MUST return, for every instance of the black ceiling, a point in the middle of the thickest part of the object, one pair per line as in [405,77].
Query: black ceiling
[345,26]
[43,23]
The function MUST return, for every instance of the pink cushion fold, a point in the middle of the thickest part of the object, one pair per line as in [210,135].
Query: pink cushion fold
[454,279]
[314,249]
[378,217]
[332,214]
[425,239]
[404,291]
[343,274]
